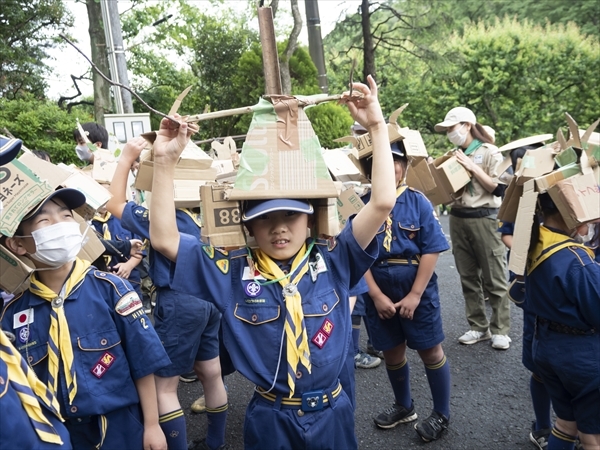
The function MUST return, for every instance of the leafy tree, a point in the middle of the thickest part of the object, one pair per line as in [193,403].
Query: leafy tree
[42,125]
[26,30]
[517,77]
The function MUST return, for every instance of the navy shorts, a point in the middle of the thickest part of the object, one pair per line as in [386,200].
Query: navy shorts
[188,328]
[424,331]
[359,306]
[569,366]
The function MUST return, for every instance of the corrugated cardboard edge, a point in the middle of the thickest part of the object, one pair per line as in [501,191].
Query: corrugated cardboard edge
[522,233]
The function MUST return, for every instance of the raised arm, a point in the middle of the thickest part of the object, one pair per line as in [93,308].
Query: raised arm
[170,142]
[118,186]
[383,189]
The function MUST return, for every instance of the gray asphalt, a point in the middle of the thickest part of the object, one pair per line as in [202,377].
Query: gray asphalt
[490,402]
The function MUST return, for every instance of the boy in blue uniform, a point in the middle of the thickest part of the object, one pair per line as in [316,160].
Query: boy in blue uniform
[85,334]
[403,305]
[286,314]
[187,325]
[109,228]
[30,416]
[562,288]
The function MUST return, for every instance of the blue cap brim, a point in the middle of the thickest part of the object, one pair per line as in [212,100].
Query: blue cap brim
[9,149]
[255,208]
[72,198]
[396,150]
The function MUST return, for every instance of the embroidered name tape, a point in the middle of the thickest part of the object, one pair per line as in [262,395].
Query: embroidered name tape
[128,304]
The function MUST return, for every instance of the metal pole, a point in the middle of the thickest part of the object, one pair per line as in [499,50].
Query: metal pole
[119,54]
[315,42]
[269,51]
[112,62]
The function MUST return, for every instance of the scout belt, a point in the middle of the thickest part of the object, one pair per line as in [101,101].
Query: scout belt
[399,261]
[564,329]
[307,402]
[473,213]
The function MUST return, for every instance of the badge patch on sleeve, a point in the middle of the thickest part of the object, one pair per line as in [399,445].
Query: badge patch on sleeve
[128,304]
[223,265]
[209,250]
[103,364]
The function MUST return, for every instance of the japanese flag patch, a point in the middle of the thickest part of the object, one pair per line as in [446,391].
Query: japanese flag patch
[128,304]
[23,318]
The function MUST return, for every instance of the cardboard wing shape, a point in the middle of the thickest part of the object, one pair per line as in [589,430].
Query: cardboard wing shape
[281,156]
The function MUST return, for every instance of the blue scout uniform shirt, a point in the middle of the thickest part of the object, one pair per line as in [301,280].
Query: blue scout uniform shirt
[415,228]
[565,288]
[254,315]
[135,219]
[98,327]
[16,430]
[506,228]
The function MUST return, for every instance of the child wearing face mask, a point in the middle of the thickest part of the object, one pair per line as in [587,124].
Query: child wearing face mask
[85,334]
[562,289]
[96,134]
[478,251]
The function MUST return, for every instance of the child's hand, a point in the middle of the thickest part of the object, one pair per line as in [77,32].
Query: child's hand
[136,247]
[406,307]
[172,138]
[154,438]
[384,305]
[365,110]
[133,148]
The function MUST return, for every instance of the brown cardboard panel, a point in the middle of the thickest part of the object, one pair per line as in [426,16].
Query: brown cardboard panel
[221,218]
[522,234]
[578,198]
[348,203]
[510,204]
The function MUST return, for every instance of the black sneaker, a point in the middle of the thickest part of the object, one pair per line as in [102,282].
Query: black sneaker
[539,438]
[395,415]
[189,377]
[432,428]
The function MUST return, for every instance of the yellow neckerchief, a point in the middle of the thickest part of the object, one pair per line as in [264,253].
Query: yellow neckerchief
[295,328]
[59,340]
[193,216]
[31,391]
[105,232]
[387,240]
[549,243]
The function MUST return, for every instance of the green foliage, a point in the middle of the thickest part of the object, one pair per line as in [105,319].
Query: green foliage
[26,29]
[42,125]
[330,121]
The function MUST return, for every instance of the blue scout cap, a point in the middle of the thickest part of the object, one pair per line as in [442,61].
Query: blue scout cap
[9,148]
[396,150]
[72,198]
[255,208]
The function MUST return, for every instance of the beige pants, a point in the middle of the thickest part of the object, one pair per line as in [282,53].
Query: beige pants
[480,258]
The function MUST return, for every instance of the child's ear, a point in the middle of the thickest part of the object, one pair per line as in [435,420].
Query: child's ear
[16,246]
[248,226]
[98,144]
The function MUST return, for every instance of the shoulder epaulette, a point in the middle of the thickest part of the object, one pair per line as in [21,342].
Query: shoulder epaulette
[118,284]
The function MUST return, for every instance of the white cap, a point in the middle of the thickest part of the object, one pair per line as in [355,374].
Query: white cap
[456,115]
[489,130]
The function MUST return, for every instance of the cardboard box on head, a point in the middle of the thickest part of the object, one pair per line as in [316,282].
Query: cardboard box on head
[281,157]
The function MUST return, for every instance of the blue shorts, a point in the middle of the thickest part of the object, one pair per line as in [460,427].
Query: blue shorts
[528,332]
[424,331]
[332,427]
[569,366]
[188,328]
[125,430]
[359,306]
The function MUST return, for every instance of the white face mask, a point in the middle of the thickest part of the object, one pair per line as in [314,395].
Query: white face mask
[587,237]
[57,244]
[456,137]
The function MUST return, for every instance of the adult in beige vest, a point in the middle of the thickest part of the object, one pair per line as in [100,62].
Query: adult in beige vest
[478,251]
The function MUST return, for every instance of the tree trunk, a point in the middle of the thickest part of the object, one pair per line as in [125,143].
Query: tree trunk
[368,46]
[98,44]
[284,66]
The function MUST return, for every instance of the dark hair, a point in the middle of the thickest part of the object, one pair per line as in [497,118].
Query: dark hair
[519,152]
[545,208]
[42,155]
[479,133]
[95,133]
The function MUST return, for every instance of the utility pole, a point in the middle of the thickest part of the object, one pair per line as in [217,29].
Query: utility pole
[315,42]
[116,55]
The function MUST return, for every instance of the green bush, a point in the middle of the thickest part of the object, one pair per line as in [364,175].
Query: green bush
[42,125]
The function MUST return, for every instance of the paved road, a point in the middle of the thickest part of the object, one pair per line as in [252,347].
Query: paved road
[490,403]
